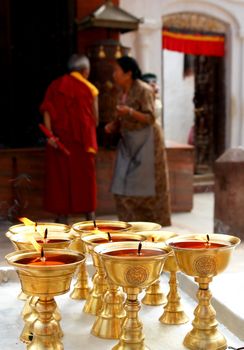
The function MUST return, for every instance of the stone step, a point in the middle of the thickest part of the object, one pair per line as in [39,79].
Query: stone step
[203,177]
[203,183]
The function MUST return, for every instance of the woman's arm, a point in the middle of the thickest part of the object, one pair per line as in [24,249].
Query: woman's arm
[141,117]
[146,113]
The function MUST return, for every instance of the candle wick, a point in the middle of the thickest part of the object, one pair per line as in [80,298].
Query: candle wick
[42,255]
[109,237]
[35,226]
[139,248]
[153,239]
[208,240]
[94,223]
[45,235]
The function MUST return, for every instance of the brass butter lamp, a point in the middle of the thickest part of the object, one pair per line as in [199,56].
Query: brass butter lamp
[82,288]
[45,279]
[33,228]
[154,295]
[111,313]
[173,310]
[133,267]
[203,257]
[59,238]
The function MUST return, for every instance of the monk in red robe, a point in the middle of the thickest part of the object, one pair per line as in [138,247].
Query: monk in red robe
[70,112]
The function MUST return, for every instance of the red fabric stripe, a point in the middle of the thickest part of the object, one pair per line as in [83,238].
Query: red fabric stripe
[194,47]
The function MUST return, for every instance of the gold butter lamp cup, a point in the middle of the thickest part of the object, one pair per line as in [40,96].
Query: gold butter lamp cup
[141,226]
[110,311]
[133,273]
[154,295]
[45,282]
[21,228]
[59,239]
[82,287]
[203,261]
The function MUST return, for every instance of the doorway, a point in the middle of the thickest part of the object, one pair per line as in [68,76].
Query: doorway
[210,113]
[202,101]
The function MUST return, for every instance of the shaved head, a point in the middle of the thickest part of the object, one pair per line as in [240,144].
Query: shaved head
[78,63]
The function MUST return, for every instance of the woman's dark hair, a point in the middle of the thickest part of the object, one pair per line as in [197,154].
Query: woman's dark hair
[129,64]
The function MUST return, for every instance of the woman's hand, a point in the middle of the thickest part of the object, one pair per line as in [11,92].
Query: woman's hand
[123,110]
[111,127]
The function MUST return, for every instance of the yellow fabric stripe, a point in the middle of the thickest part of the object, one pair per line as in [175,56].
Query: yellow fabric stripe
[91,150]
[92,87]
[194,37]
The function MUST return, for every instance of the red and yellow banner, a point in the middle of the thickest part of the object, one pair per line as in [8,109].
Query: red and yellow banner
[194,44]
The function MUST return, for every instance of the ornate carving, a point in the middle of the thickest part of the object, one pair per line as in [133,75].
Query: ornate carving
[194,21]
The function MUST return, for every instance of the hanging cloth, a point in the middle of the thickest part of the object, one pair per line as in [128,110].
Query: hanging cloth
[207,44]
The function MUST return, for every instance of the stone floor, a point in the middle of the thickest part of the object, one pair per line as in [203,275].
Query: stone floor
[200,219]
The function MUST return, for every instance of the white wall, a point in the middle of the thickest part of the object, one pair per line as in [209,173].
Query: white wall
[178,95]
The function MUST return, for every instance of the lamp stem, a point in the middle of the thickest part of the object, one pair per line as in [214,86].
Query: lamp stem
[46,330]
[132,336]
[205,334]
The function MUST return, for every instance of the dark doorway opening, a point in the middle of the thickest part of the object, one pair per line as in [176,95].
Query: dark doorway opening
[36,39]
[210,111]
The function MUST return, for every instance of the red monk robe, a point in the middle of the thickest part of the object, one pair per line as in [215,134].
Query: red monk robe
[70,180]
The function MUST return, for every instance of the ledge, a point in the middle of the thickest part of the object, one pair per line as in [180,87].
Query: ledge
[76,325]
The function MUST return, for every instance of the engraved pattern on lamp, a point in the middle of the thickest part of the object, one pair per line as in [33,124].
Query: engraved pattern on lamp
[136,275]
[205,265]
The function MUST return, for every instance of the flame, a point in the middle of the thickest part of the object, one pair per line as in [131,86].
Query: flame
[32,240]
[29,235]
[26,221]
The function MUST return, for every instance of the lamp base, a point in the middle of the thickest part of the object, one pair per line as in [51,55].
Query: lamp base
[173,310]
[94,302]
[197,340]
[174,318]
[108,324]
[131,346]
[81,289]
[154,295]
